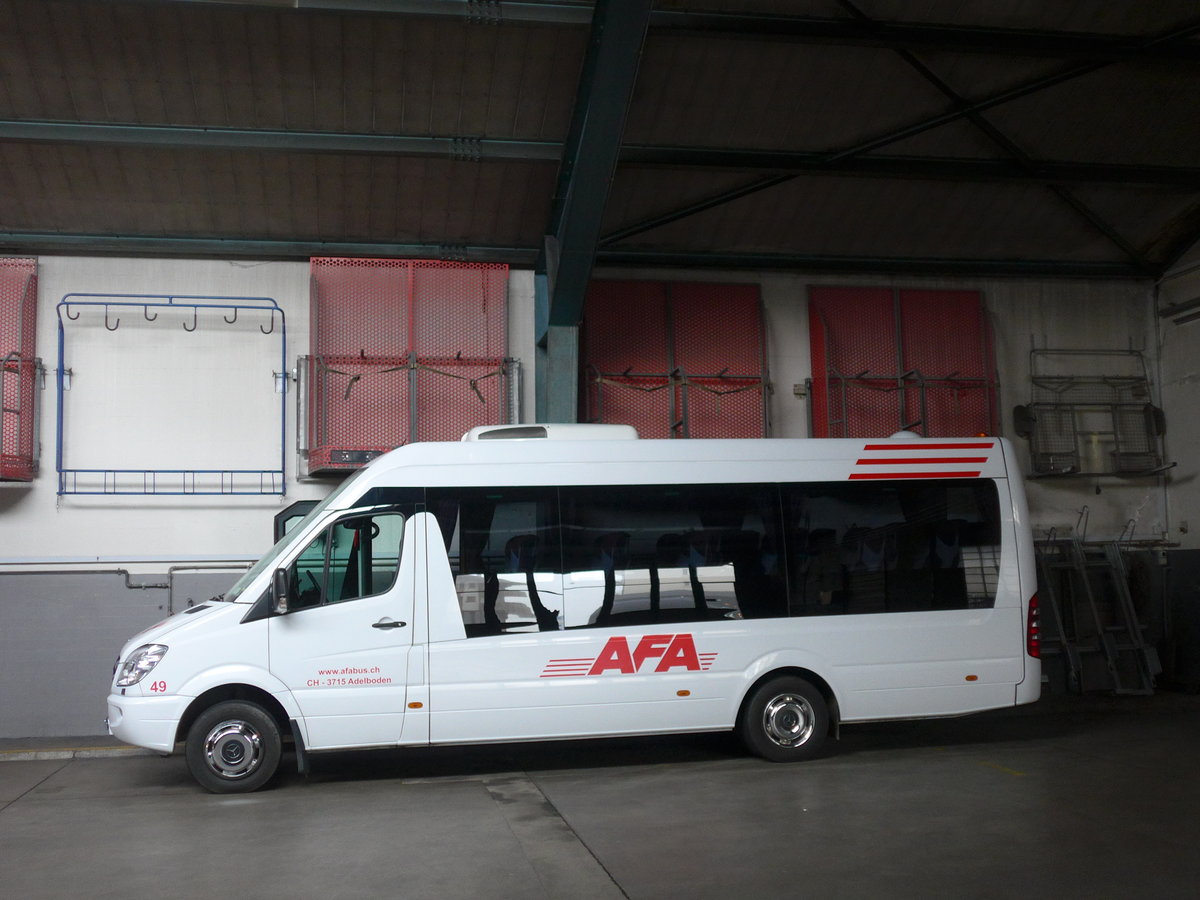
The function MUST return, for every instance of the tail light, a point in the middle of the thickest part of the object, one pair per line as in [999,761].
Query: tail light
[1033,630]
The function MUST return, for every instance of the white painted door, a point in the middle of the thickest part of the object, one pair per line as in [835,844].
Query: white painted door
[343,647]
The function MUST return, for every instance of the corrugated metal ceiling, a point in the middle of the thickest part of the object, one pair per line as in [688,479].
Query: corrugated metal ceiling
[1008,137]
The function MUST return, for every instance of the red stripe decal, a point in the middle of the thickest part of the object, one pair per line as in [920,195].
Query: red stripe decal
[893,448]
[922,460]
[859,476]
[568,667]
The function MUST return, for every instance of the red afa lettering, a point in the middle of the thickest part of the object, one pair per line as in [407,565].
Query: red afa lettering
[650,647]
[615,655]
[681,654]
[673,651]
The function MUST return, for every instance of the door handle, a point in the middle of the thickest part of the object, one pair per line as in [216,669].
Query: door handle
[385,622]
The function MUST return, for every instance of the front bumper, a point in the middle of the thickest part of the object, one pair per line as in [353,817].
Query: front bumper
[149,722]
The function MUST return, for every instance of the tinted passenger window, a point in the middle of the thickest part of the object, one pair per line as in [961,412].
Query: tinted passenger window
[504,555]
[869,547]
[647,554]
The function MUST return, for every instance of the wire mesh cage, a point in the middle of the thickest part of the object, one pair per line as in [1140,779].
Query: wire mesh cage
[694,365]
[1091,413]
[882,363]
[19,369]
[402,350]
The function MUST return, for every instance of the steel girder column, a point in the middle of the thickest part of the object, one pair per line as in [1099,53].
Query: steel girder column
[585,174]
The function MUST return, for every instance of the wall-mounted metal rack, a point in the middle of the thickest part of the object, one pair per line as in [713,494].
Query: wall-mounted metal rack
[682,388]
[1091,413]
[263,312]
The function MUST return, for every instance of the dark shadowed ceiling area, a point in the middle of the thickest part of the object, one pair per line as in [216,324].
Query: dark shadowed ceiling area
[975,137]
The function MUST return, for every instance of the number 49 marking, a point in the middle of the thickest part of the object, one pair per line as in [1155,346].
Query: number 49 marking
[158,687]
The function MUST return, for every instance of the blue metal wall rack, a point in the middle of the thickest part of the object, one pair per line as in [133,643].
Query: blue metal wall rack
[198,481]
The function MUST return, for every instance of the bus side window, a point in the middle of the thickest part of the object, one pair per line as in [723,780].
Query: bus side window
[660,554]
[873,547]
[502,545]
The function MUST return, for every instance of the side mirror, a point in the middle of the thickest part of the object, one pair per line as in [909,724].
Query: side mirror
[281,589]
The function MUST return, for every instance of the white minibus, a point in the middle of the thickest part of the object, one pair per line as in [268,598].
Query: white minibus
[551,582]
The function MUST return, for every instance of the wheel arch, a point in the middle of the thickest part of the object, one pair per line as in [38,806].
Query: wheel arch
[247,692]
[831,702]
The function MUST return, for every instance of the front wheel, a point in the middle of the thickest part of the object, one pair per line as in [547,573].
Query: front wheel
[784,720]
[233,747]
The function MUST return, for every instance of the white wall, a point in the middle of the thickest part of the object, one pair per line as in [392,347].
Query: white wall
[151,394]
[1179,364]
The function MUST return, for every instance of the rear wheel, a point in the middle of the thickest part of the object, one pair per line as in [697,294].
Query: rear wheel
[785,719]
[233,747]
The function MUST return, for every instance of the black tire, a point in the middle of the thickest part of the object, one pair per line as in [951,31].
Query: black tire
[785,719]
[233,747]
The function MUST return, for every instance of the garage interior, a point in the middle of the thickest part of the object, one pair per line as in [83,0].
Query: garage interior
[246,245]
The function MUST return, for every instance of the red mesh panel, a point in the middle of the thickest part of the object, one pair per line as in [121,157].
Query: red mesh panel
[645,403]
[725,407]
[821,399]
[935,380]
[18,367]
[675,359]
[453,397]
[625,327]
[459,310]
[381,327]
[717,328]
[345,393]
[854,336]
[360,306]
[959,395]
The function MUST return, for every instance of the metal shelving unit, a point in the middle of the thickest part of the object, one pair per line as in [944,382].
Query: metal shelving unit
[1091,414]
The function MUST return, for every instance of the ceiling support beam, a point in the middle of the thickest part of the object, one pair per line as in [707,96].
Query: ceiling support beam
[26,243]
[258,248]
[589,160]
[891,35]
[925,36]
[957,112]
[937,168]
[469,149]
[486,12]
[883,265]
[591,152]
[178,137]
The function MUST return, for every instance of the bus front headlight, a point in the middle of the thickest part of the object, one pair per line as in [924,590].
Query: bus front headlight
[140,663]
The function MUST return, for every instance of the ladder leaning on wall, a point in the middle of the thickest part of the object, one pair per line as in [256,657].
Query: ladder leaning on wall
[1091,620]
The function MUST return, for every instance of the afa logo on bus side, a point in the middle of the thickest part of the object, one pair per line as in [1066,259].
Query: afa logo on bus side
[651,653]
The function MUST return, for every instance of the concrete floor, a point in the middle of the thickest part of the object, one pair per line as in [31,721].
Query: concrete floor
[1070,798]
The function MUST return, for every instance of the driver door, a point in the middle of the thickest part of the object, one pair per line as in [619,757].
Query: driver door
[342,648]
